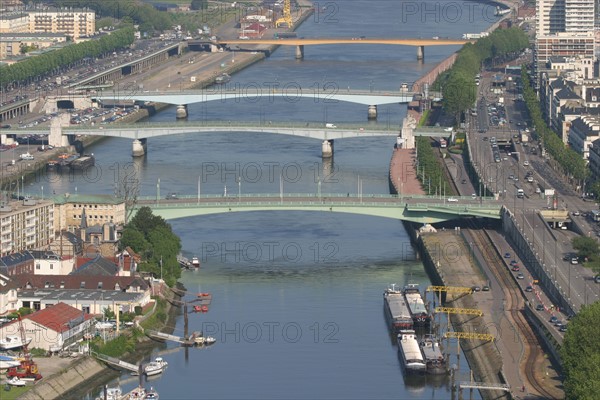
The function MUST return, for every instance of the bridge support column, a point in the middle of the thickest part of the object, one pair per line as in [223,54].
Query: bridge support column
[56,138]
[372,112]
[327,148]
[181,112]
[420,53]
[300,52]
[138,148]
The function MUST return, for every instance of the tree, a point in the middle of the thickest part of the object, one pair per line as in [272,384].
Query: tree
[586,247]
[199,4]
[580,355]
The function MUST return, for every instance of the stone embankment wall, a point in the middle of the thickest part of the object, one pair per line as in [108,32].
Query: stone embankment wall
[81,370]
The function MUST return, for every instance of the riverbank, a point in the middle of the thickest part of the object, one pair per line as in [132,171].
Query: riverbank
[75,378]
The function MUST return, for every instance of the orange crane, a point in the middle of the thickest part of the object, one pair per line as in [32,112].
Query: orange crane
[28,368]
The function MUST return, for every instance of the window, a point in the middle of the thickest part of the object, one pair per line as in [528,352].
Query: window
[62,284]
[37,266]
[99,285]
[82,285]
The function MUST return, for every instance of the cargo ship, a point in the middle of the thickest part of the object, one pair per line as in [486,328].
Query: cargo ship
[434,358]
[418,311]
[83,162]
[396,310]
[410,353]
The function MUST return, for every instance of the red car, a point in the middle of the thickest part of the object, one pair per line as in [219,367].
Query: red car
[515,268]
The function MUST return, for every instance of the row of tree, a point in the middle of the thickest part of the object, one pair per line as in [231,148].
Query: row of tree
[24,71]
[572,163]
[458,83]
[152,238]
[588,250]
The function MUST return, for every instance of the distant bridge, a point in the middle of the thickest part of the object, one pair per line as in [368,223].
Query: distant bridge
[421,209]
[419,43]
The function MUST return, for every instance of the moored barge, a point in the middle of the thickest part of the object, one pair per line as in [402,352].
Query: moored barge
[418,311]
[410,353]
[396,310]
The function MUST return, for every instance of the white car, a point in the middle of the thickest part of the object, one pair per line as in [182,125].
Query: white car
[526,163]
[452,200]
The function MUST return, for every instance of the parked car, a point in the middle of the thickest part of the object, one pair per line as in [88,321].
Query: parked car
[452,199]
[529,289]
[506,255]
[520,276]
[539,307]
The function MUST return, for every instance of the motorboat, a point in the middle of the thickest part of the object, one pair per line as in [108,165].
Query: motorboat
[16,381]
[151,394]
[195,262]
[13,342]
[138,393]
[204,340]
[114,393]
[155,367]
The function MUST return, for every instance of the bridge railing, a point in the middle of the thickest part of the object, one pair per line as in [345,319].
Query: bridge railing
[391,197]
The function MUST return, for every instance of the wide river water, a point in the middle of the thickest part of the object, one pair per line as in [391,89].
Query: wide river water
[297,306]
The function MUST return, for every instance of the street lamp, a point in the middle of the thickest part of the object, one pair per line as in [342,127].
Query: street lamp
[239,181]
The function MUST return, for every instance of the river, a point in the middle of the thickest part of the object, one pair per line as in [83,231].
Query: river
[297,296]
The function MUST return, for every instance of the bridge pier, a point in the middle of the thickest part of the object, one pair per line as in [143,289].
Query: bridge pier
[56,138]
[327,148]
[138,148]
[420,53]
[181,112]
[300,52]
[372,112]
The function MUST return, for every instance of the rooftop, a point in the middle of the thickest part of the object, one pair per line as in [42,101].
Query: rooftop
[80,296]
[60,317]
[87,199]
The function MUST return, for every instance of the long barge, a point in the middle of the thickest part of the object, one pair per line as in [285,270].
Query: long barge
[418,311]
[396,310]
[83,162]
[410,353]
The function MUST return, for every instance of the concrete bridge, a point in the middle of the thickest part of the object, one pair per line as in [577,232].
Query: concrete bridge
[140,132]
[251,93]
[419,43]
[421,209]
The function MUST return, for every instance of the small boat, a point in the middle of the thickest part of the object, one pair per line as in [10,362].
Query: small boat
[8,362]
[203,308]
[138,393]
[204,340]
[222,79]
[114,393]
[16,381]
[12,342]
[155,367]
[151,394]
[195,262]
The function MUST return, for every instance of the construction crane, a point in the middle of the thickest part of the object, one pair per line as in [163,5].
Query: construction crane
[286,18]
[28,368]
[454,310]
[470,335]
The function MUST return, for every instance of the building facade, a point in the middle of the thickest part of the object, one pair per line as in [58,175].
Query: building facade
[73,23]
[584,130]
[99,210]
[25,225]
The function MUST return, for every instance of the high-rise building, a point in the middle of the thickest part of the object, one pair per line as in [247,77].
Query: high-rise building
[25,224]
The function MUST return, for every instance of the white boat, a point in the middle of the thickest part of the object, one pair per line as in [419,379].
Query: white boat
[204,340]
[151,394]
[15,381]
[111,394]
[409,350]
[104,325]
[12,342]
[8,362]
[155,367]
[195,262]
[138,393]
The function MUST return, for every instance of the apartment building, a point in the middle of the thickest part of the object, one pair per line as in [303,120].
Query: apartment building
[25,225]
[72,22]
[584,130]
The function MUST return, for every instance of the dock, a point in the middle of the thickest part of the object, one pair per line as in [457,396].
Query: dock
[161,336]
[115,362]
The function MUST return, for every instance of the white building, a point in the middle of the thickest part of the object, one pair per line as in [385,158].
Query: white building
[52,328]
[584,130]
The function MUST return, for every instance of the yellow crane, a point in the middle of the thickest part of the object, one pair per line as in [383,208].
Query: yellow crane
[470,335]
[452,310]
[450,289]
[286,18]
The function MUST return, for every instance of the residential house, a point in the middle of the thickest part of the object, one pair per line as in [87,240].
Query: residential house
[17,263]
[8,295]
[50,263]
[52,328]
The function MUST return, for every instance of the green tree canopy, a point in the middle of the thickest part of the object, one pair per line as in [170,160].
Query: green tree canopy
[580,355]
